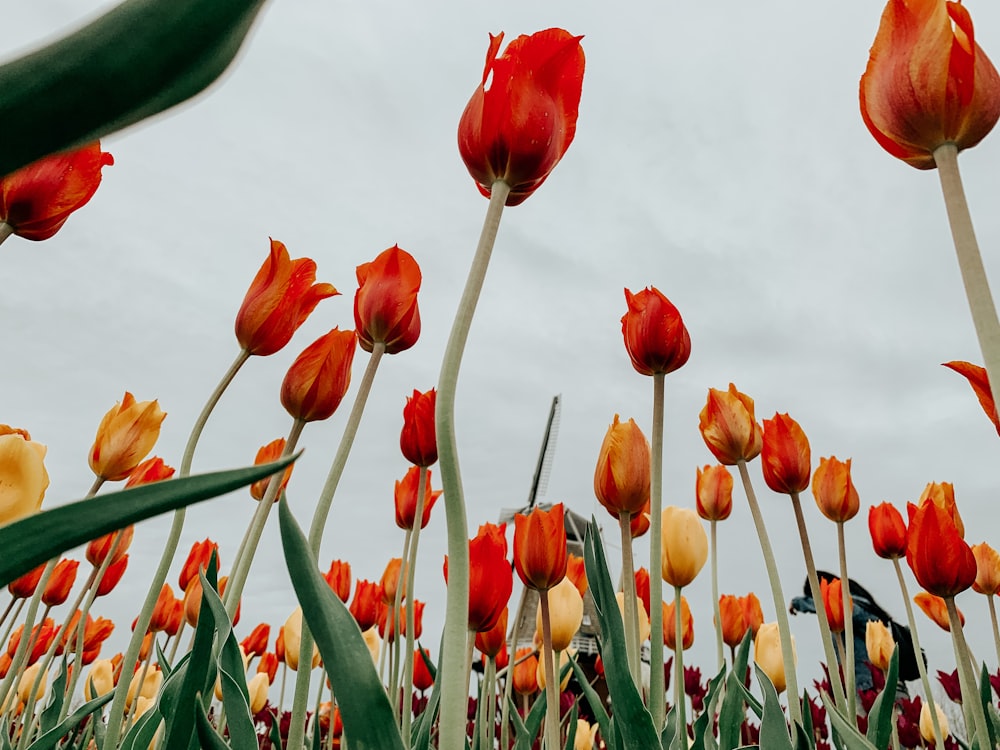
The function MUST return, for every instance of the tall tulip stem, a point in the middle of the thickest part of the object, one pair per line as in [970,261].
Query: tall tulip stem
[716,608]
[970,262]
[551,677]
[996,628]
[845,592]
[396,622]
[454,678]
[629,607]
[968,680]
[781,612]
[679,699]
[657,705]
[411,611]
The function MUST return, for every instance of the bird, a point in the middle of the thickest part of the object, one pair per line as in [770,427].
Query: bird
[865,609]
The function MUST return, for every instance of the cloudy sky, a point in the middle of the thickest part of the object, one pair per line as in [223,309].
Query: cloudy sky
[719,156]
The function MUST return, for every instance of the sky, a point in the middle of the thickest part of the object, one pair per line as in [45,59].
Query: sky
[720,156]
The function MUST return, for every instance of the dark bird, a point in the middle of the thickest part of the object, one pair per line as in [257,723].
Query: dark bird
[865,609]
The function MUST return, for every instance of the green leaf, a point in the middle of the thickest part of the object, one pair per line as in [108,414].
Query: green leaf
[140,58]
[880,717]
[53,736]
[851,738]
[805,739]
[593,699]
[704,737]
[631,717]
[986,697]
[143,731]
[773,729]
[50,715]
[364,707]
[571,729]
[208,737]
[36,539]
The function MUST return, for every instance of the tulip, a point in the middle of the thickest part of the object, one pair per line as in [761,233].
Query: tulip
[23,587]
[127,433]
[670,625]
[174,618]
[391,579]
[942,494]
[293,639]
[162,610]
[197,560]
[522,118]
[339,579]
[981,386]
[100,679]
[784,456]
[268,665]
[372,642]
[927,723]
[563,663]
[888,531]
[879,643]
[734,625]
[654,333]
[60,582]
[26,682]
[112,576]
[640,522]
[767,654]
[832,594]
[684,546]
[713,489]
[255,644]
[99,549]
[642,587]
[36,200]
[938,556]
[280,298]
[525,681]
[319,377]
[586,735]
[418,440]
[149,471]
[728,426]
[23,478]
[422,677]
[834,491]
[365,604]
[576,571]
[268,454]
[540,547]
[490,577]
[987,569]
[927,82]
[490,642]
[565,614]
[406,498]
[257,689]
[385,305]
[936,609]
[144,685]
[621,480]
[752,613]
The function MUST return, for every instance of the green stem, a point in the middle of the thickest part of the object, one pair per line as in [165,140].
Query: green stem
[6,230]
[821,614]
[17,661]
[845,591]
[301,696]
[411,612]
[629,612]
[918,652]
[970,262]
[397,631]
[491,703]
[969,681]
[679,699]
[657,699]
[508,680]
[454,679]
[714,556]
[117,711]
[996,629]
[781,611]
[551,678]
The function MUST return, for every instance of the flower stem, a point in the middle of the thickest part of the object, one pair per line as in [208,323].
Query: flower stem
[6,230]
[845,590]
[970,686]
[996,629]
[454,679]
[780,610]
[629,608]
[821,614]
[657,705]
[716,609]
[397,630]
[970,262]
[411,612]
[551,678]
[918,652]
[679,699]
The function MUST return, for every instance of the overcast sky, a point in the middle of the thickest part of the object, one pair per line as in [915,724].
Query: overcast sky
[719,156]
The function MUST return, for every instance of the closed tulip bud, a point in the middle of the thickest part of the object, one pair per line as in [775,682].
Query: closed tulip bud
[728,426]
[268,665]
[713,489]
[339,579]
[23,478]
[784,456]
[280,298]
[522,118]
[752,612]
[162,610]
[987,569]
[197,560]
[642,618]
[406,497]
[879,643]
[391,579]
[144,686]
[257,689]
[540,547]
[525,671]
[365,604]
[888,531]
[385,305]
[927,723]
[833,602]
[373,643]
[734,626]
[267,454]
[936,609]
[670,625]
[149,471]
[767,654]
[654,333]
[836,496]
[293,640]
[112,576]
[60,583]
[422,677]
[491,641]
[621,480]
[100,679]
[319,377]
[36,200]
[684,545]
[99,549]
[586,735]
[981,386]
[565,614]
[576,571]
[942,494]
[418,440]
[26,682]
[23,587]
[255,644]
[127,433]
[941,561]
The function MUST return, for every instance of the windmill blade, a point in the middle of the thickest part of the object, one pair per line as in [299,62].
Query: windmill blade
[544,467]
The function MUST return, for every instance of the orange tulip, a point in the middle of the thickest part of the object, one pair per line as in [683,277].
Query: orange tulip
[23,587]
[391,580]
[36,200]
[713,489]
[387,628]
[365,604]
[981,386]
[943,495]
[987,569]
[576,571]
[422,677]
[525,671]
[938,556]
[522,117]
[728,426]
[339,579]
[255,644]
[279,645]
[149,471]
[752,613]
[490,577]
[162,610]
[60,582]
[385,305]
[927,82]
[174,618]
[491,641]
[655,336]
[540,547]
[936,609]
[197,560]
[670,625]
[319,377]
[834,491]
[418,440]
[100,548]
[126,434]
[280,298]
[112,576]
[268,664]
[639,524]
[642,587]
[267,454]
[406,498]
[621,480]
[784,456]
[888,531]
[734,625]
[832,594]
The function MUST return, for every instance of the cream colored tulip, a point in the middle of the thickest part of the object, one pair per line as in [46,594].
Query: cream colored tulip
[586,735]
[879,643]
[565,613]
[293,641]
[373,642]
[927,723]
[258,687]
[102,677]
[641,614]
[684,545]
[150,686]
[143,705]
[27,680]
[767,654]
[563,661]
[23,478]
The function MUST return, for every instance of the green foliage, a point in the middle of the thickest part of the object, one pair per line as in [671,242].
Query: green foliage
[733,711]
[526,730]
[773,729]
[593,700]
[704,738]
[880,717]
[51,738]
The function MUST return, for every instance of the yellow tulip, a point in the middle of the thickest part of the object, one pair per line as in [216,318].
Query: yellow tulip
[102,677]
[565,613]
[23,478]
[927,724]
[880,645]
[684,545]
[767,654]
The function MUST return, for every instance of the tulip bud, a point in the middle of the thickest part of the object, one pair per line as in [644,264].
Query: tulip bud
[540,547]
[339,579]
[406,498]
[422,677]
[490,642]
[621,480]
[385,305]
[490,577]
[936,609]
[987,569]
[767,654]
[293,640]
[834,491]
[100,679]
[197,560]
[927,723]
[99,549]
[655,336]
[144,686]
[942,494]
[785,458]
[576,571]
[734,626]
[565,614]
[319,377]
[23,478]
[833,603]
[26,682]
[365,604]
[268,665]
[941,561]
[23,587]
[713,489]
[60,583]
[563,662]
[888,531]
[127,433]
[149,471]
[684,545]
[670,625]
[257,689]
[373,642]
[268,454]
[879,643]
[728,426]
[391,580]
[112,576]
[255,644]
[525,671]
[418,440]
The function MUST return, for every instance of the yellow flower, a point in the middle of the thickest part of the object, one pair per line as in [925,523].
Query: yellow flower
[126,435]
[258,687]
[684,545]
[880,645]
[767,654]
[293,641]
[927,723]
[23,478]
[102,677]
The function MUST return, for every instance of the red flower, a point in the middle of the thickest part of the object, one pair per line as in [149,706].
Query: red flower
[149,471]
[422,677]
[418,440]
[112,576]
[339,579]
[622,476]
[385,305]
[713,490]
[491,642]
[728,426]
[937,609]
[60,582]
[255,644]
[670,625]
[280,298]
[162,610]
[540,547]
[100,548]
[655,336]
[785,458]
[734,625]
[641,587]
[490,577]
[197,559]
[267,454]
[365,604]
[834,490]
[980,385]
[941,561]
[927,82]
[406,498]
[23,587]
[522,117]
[319,377]
[888,531]
[36,200]
[833,602]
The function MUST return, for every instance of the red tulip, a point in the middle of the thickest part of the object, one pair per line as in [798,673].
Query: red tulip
[491,642]
[339,579]
[713,490]
[265,455]
[23,587]
[655,336]
[832,594]
[319,377]
[422,677]
[834,490]
[197,559]
[784,456]
[888,531]
[255,644]
[418,440]
[149,471]
[112,576]
[100,548]
[385,305]
[622,476]
[365,604]
[406,498]
[60,582]
[540,547]
[941,561]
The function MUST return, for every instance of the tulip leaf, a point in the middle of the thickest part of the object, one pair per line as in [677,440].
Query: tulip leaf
[986,696]
[527,730]
[593,699]
[36,539]
[208,736]
[880,717]
[773,728]
[141,735]
[631,717]
[56,734]
[138,59]
[571,728]
[50,714]
[850,737]
[420,733]
[704,739]
[364,707]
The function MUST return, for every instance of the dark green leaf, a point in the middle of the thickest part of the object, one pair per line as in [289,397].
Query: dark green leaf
[571,728]
[51,738]
[50,715]
[208,737]
[773,729]
[851,738]
[142,731]
[704,737]
[593,699]
[986,697]
[880,717]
